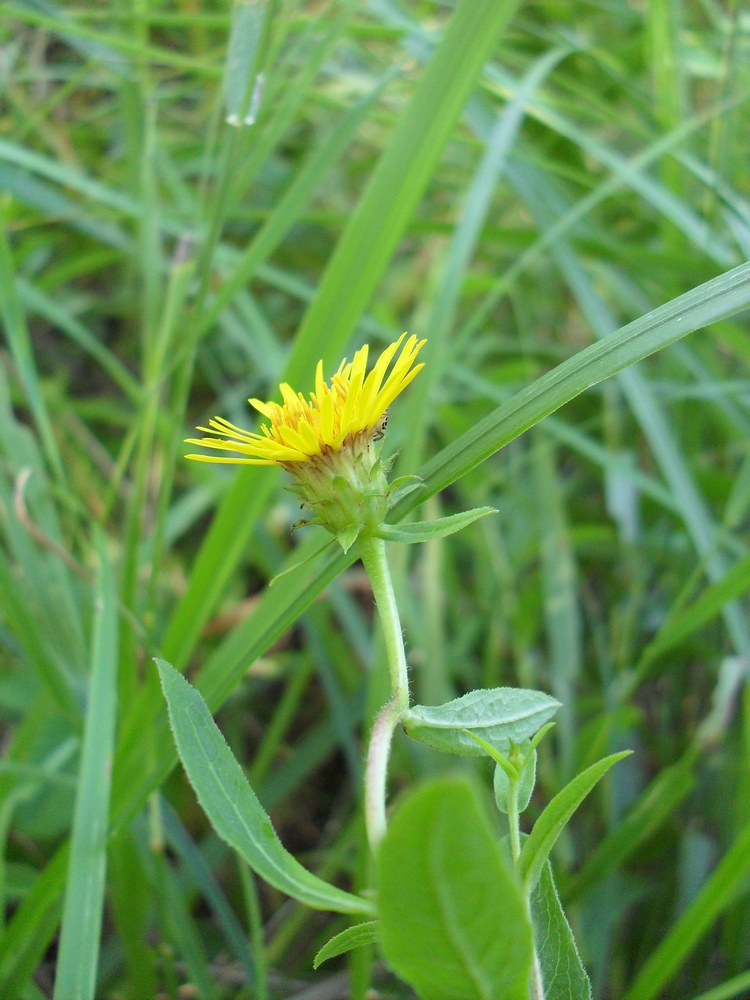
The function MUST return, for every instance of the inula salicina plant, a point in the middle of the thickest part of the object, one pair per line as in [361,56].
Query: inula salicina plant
[333,710]
[454,916]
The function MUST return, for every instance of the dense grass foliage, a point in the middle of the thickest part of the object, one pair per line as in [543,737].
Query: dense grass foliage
[512,181]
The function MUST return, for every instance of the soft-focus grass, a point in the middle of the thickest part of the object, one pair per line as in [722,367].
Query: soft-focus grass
[160,266]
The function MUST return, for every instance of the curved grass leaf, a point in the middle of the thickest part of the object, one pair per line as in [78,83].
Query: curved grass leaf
[553,820]
[715,300]
[453,920]
[496,715]
[232,806]
[352,937]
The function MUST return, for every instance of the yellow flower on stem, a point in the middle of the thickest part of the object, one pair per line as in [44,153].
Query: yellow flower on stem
[327,441]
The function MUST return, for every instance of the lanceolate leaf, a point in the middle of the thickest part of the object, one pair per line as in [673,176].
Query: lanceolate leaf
[352,937]
[425,531]
[496,715]
[232,806]
[553,820]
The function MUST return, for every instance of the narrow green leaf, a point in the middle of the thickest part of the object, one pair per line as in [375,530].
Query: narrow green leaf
[180,927]
[84,896]
[33,925]
[553,820]
[657,803]
[232,806]
[426,531]
[497,715]
[290,206]
[563,974]
[352,937]
[453,920]
[501,761]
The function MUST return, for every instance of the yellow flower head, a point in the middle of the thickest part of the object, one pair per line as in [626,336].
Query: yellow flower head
[350,406]
[328,441]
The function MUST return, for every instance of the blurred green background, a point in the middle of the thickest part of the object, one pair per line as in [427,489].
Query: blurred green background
[511,181]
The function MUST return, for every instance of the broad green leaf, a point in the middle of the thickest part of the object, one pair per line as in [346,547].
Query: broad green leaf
[453,920]
[501,784]
[553,820]
[563,974]
[352,937]
[232,806]
[496,715]
[84,896]
[425,531]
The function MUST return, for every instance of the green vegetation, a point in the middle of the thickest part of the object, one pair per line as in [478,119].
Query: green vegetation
[548,192]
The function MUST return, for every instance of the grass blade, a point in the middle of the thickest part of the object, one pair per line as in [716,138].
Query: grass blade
[84,896]
[361,256]
[714,897]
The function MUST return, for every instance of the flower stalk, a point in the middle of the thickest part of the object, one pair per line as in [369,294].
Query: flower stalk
[375,561]
[330,443]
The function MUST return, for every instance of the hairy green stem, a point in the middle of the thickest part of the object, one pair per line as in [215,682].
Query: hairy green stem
[372,551]
[376,771]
